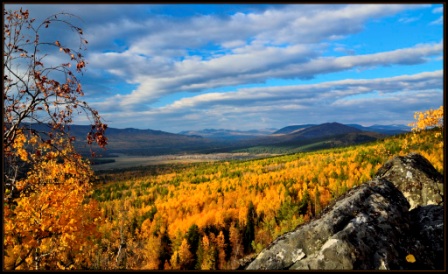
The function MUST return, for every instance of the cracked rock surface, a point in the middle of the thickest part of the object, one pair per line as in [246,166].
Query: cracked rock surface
[416,178]
[371,227]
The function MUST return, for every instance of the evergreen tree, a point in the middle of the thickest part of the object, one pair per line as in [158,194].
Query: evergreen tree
[193,237]
[249,232]
[303,207]
[165,249]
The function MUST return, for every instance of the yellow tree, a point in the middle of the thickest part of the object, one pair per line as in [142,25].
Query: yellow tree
[152,251]
[236,243]
[221,246]
[185,255]
[51,225]
[430,119]
[208,255]
[48,220]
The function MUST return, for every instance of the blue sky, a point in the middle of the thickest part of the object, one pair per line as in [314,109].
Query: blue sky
[178,67]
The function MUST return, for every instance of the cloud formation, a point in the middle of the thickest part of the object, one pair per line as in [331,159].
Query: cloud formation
[248,66]
[349,100]
[179,67]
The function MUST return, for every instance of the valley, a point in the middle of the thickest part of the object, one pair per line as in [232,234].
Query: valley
[135,147]
[123,161]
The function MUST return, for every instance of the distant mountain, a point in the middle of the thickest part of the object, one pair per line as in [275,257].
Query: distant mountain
[328,135]
[313,131]
[152,142]
[384,129]
[136,141]
[228,135]
[302,134]
[291,129]
[324,130]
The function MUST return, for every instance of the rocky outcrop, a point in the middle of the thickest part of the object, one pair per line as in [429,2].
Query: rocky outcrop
[426,240]
[416,178]
[371,227]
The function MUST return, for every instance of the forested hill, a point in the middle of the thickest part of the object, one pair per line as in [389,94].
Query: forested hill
[384,129]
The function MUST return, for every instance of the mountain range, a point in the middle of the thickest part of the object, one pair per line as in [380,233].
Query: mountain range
[149,142]
[226,134]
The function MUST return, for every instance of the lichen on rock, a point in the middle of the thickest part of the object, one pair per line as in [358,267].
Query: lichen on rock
[373,226]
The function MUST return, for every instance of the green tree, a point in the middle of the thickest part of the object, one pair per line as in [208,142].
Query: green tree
[193,238]
[165,249]
[303,206]
[249,232]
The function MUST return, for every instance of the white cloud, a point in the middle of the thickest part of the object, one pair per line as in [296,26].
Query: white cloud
[438,10]
[150,34]
[372,100]
[160,77]
[438,21]
[335,89]
[407,20]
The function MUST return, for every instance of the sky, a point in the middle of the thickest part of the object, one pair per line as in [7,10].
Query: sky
[176,67]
